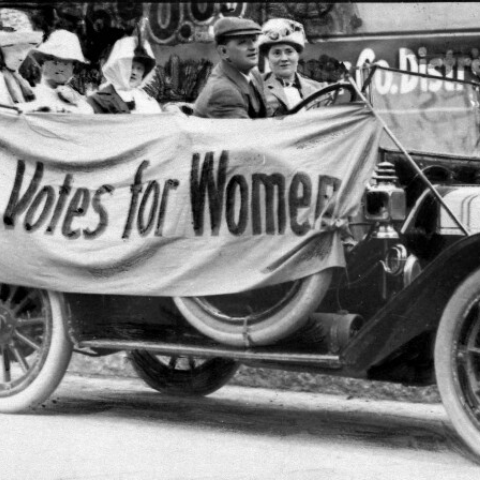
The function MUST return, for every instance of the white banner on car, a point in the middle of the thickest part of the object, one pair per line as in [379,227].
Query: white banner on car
[176,206]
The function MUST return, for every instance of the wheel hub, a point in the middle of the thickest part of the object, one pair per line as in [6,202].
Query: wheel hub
[7,325]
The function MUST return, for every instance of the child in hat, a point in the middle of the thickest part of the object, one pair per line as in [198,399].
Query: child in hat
[57,57]
[126,71]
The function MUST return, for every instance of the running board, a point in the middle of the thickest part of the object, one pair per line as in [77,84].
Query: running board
[259,354]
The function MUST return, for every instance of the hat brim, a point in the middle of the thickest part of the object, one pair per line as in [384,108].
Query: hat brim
[14,38]
[148,62]
[239,33]
[40,57]
[265,48]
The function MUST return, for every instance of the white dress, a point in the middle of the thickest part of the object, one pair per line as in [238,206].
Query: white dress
[60,99]
[5,97]
[144,103]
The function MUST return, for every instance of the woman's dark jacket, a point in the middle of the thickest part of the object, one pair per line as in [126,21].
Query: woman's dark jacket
[107,100]
[277,101]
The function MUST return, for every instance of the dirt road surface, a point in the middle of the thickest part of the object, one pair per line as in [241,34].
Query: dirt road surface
[119,429]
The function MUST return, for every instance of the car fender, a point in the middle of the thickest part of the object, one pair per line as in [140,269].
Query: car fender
[416,309]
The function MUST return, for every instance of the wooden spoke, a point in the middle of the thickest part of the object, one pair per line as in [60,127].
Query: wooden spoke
[29,322]
[5,376]
[20,306]
[26,340]
[472,339]
[20,359]
[476,412]
[173,362]
[13,291]
[473,350]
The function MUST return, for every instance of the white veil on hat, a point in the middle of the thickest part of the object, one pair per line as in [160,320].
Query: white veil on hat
[118,67]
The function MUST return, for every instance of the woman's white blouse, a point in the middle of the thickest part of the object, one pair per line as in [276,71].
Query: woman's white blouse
[292,95]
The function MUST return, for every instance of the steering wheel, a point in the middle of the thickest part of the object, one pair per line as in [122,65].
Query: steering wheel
[325,97]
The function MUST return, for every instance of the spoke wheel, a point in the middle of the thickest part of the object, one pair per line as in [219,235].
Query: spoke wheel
[180,375]
[457,361]
[256,317]
[330,95]
[34,347]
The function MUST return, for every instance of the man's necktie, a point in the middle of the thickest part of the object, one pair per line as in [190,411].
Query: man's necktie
[255,95]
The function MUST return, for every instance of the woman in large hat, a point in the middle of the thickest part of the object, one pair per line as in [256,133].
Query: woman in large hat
[282,41]
[127,68]
[58,56]
[16,40]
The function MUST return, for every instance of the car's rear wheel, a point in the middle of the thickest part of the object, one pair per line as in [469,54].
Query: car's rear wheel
[181,375]
[256,317]
[457,361]
[34,346]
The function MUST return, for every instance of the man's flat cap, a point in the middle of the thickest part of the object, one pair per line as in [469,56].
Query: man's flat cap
[235,27]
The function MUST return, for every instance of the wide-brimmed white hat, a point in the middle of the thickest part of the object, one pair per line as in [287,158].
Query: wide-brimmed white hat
[14,38]
[15,28]
[282,30]
[60,44]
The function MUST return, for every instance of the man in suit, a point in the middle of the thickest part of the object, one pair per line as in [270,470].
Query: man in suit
[235,87]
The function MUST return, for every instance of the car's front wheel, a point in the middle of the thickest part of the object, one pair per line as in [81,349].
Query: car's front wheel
[457,361]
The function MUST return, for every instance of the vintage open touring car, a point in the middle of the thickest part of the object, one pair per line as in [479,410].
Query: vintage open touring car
[405,309]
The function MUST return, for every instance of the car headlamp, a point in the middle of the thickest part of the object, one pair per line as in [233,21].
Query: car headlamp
[384,199]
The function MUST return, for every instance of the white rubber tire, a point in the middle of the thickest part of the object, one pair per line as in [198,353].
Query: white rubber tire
[281,323]
[446,357]
[48,371]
